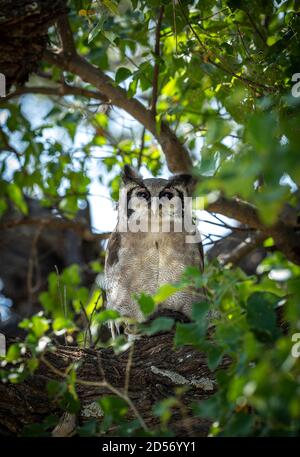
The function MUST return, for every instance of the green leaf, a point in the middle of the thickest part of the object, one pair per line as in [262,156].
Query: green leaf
[39,325]
[165,291]
[160,324]
[96,266]
[15,194]
[96,29]
[13,353]
[217,129]
[3,206]
[56,387]
[214,356]
[114,409]
[200,310]
[146,302]
[122,74]
[261,315]
[32,364]
[163,409]
[191,334]
[106,315]
[62,323]
[111,6]
[88,428]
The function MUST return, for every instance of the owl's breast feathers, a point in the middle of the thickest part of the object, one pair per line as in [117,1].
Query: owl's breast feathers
[133,249]
[141,262]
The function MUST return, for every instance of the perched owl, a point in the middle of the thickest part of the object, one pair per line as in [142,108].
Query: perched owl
[148,248]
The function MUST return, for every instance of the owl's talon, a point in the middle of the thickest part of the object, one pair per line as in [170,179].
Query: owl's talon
[114,329]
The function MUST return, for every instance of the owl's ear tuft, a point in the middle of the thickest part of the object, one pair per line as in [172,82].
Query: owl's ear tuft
[185,181]
[131,175]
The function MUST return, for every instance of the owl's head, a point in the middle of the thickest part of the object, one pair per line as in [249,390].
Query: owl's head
[165,197]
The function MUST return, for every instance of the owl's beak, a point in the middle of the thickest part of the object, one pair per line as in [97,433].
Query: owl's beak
[154,205]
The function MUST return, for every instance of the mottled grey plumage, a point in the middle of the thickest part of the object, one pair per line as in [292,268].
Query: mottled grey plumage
[143,261]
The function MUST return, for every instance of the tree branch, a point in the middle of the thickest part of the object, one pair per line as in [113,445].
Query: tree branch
[56,223]
[153,376]
[285,237]
[7,145]
[157,57]
[66,35]
[244,248]
[58,91]
[177,156]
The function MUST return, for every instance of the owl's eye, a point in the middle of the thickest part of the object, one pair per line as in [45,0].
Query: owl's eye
[142,194]
[167,194]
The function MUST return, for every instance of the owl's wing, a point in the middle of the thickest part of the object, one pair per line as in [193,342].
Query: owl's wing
[113,247]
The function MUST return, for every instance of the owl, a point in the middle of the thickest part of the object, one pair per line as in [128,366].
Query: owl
[149,246]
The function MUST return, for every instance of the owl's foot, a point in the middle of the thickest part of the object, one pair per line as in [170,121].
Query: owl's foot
[132,332]
[125,328]
[114,329]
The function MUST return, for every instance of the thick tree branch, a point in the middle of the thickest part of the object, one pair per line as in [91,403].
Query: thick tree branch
[244,248]
[58,91]
[56,223]
[285,237]
[177,156]
[156,370]
[66,35]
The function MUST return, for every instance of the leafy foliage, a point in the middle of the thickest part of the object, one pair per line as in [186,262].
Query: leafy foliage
[226,86]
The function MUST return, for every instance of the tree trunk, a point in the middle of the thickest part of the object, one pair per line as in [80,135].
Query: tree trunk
[156,370]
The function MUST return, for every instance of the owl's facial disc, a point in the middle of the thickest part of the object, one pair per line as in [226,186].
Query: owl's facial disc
[143,194]
[138,199]
[153,202]
[166,194]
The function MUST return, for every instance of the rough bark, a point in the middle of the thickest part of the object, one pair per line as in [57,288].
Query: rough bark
[176,154]
[286,237]
[24,35]
[155,371]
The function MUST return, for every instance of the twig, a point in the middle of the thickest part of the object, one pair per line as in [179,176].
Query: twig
[33,262]
[62,297]
[128,367]
[88,328]
[256,28]
[156,65]
[103,384]
[7,145]
[285,237]
[243,43]
[66,36]
[214,14]
[141,149]
[222,67]
[226,226]
[244,248]
[61,90]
